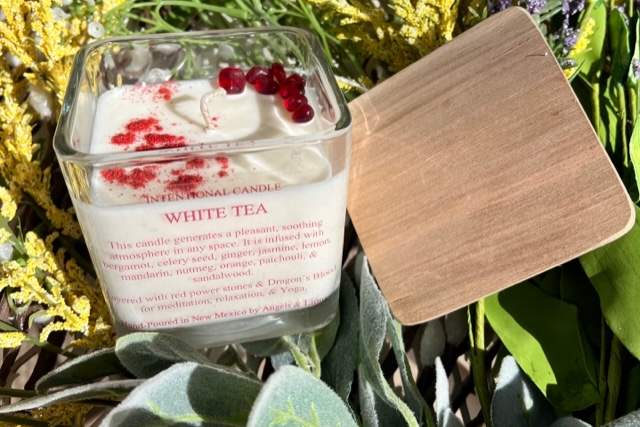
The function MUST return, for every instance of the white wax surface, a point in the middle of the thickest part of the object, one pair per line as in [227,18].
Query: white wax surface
[261,235]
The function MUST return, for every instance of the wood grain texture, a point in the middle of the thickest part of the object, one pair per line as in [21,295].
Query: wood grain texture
[476,168]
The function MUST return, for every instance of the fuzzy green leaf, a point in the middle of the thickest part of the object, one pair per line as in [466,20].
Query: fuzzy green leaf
[375,411]
[188,394]
[516,402]
[614,270]
[569,422]
[83,369]
[374,320]
[293,397]
[544,335]
[145,354]
[101,390]
[629,420]
[341,362]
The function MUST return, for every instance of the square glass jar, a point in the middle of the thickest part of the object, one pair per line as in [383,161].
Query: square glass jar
[209,215]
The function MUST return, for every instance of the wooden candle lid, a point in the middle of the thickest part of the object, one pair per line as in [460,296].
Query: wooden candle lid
[476,168]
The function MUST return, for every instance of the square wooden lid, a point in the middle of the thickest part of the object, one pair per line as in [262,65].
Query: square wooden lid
[476,168]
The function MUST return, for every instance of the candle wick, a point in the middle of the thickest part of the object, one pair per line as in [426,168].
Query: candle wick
[204,107]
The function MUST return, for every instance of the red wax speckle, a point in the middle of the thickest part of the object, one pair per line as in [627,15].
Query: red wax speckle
[123,138]
[143,125]
[164,92]
[136,178]
[223,161]
[196,163]
[185,183]
[155,141]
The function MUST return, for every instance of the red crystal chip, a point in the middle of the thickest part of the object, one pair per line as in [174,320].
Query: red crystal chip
[266,85]
[303,114]
[254,72]
[294,102]
[290,89]
[278,73]
[231,79]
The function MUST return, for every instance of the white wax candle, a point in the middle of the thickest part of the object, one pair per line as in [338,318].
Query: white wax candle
[211,237]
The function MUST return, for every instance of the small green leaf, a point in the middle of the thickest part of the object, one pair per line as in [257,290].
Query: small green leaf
[293,397]
[188,394]
[341,361]
[516,402]
[101,390]
[590,59]
[619,40]
[83,369]
[634,151]
[544,335]
[614,270]
[145,354]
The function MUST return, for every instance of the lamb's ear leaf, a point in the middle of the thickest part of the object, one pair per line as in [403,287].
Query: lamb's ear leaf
[145,354]
[100,390]
[516,402]
[291,395]
[83,369]
[188,394]
[341,361]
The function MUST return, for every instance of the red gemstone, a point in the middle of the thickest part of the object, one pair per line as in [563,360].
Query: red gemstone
[278,73]
[255,72]
[231,79]
[290,89]
[296,79]
[266,85]
[303,114]
[294,102]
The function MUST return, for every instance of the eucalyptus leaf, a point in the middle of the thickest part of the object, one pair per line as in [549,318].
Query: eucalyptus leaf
[374,315]
[188,394]
[83,369]
[101,390]
[432,342]
[340,363]
[145,354]
[444,414]
[545,337]
[456,327]
[569,422]
[516,403]
[614,270]
[292,396]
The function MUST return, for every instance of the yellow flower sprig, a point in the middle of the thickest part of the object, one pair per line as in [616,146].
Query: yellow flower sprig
[38,41]
[418,28]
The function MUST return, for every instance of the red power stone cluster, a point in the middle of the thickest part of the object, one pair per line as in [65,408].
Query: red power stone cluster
[269,81]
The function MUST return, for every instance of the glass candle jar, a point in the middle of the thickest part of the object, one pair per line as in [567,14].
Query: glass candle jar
[208,171]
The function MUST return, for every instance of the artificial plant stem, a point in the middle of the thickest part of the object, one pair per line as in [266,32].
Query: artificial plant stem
[298,356]
[16,392]
[613,379]
[316,367]
[622,110]
[602,375]
[477,361]
[595,107]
